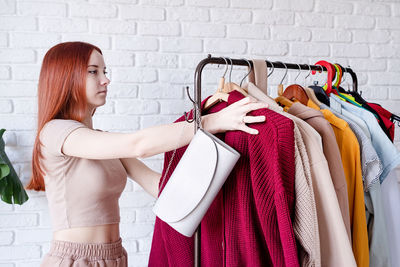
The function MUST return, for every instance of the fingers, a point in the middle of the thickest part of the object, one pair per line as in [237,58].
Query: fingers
[249,106]
[235,115]
[250,119]
[248,130]
[253,119]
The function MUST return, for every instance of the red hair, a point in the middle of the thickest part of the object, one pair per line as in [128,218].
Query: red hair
[61,94]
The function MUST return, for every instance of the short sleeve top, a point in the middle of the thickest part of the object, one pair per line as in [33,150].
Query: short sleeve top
[81,192]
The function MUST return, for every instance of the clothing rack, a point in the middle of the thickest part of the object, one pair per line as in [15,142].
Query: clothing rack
[197,105]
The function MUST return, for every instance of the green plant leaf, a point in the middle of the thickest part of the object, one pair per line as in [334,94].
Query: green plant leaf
[11,188]
[4,170]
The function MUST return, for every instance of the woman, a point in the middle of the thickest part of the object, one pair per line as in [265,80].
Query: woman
[83,170]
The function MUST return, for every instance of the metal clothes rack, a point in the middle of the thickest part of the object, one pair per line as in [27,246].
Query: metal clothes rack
[197,105]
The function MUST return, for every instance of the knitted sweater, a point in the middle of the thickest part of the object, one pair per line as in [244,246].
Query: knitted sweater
[250,221]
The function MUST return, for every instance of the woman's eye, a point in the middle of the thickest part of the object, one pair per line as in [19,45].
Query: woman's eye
[93,71]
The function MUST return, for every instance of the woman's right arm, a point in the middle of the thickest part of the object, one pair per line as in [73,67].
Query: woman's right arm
[91,144]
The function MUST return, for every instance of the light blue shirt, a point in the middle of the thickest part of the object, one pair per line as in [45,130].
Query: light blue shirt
[371,165]
[387,152]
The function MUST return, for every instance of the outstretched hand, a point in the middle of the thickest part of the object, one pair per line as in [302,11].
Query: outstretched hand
[234,117]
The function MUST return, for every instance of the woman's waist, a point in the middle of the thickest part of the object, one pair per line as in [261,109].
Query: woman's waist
[106,233]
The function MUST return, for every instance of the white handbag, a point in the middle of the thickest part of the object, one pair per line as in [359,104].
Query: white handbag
[196,180]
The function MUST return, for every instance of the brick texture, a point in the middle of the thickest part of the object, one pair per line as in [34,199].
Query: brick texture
[151,49]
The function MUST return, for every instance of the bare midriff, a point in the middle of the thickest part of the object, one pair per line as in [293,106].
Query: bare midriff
[107,233]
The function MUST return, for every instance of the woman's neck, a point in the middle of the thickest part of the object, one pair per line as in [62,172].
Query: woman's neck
[88,119]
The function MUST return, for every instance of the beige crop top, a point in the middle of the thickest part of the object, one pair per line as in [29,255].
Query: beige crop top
[80,192]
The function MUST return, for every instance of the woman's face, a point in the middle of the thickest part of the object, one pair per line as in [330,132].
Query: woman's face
[96,81]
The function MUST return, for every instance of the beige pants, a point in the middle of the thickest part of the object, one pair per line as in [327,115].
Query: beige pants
[85,254]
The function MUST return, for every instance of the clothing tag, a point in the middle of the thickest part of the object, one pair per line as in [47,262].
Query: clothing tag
[335,105]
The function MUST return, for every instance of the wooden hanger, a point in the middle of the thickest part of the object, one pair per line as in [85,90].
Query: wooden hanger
[284,101]
[296,92]
[230,86]
[221,94]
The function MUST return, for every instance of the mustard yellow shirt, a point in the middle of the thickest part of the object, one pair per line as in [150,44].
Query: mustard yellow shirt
[350,154]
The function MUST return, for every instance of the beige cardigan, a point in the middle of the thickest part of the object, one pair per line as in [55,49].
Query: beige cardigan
[332,154]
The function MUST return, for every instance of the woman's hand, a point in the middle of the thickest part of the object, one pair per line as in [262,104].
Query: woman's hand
[234,117]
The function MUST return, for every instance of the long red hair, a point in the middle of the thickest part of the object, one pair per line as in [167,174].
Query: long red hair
[61,94]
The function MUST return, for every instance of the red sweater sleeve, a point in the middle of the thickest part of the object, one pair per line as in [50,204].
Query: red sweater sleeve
[270,156]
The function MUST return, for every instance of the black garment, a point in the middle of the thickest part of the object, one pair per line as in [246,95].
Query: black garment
[320,94]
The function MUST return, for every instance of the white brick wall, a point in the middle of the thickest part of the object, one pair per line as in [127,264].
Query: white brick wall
[152,48]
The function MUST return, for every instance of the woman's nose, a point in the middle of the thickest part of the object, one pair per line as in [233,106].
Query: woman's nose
[105,81]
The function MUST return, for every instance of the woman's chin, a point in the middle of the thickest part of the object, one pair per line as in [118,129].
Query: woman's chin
[98,104]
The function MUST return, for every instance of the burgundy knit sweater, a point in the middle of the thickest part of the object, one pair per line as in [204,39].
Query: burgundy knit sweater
[250,221]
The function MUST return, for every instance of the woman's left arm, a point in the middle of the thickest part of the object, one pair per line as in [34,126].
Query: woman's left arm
[143,175]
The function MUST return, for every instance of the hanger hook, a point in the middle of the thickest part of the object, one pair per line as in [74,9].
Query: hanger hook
[298,74]
[194,106]
[309,73]
[226,66]
[273,68]
[285,71]
[250,69]
[344,71]
[188,94]
[322,70]
[187,117]
[230,72]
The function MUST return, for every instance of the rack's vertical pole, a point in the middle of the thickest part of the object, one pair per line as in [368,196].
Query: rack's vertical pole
[197,99]
[197,112]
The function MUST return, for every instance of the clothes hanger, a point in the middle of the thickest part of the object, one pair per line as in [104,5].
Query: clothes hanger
[341,95]
[310,92]
[331,74]
[344,81]
[338,76]
[229,87]
[273,68]
[336,80]
[280,85]
[351,99]
[319,92]
[341,90]
[220,95]
[283,101]
[343,77]
[248,73]
[296,91]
